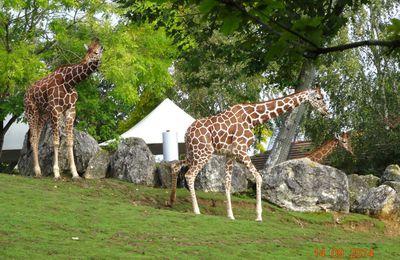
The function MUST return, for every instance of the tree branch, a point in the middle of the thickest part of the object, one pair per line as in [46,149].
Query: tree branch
[313,53]
[9,123]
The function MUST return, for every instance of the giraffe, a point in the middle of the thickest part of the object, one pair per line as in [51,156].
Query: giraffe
[230,133]
[319,154]
[53,96]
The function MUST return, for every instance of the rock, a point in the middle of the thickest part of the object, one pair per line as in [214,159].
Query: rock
[164,175]
[392,173]
[212,177]
[98,165]
[133,162]
[380,202]
[85,147]
[394,185]
[303,185]
[359,185]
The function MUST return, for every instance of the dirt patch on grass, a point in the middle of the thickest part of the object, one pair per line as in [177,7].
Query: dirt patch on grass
[222,203]
[392,227]
[362,226]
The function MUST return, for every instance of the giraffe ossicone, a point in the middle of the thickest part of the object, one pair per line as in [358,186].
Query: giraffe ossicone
[51,97]
[230,133]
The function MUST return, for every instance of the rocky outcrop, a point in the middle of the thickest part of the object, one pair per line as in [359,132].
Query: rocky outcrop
[98,166]
[303,185]
[380,202]
[394,185]
[133,162]
[392,173]
[85,147]
[211,178]
[164,175]
[359,185]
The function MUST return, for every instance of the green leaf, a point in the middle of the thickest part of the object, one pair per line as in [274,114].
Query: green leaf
[394,28]
[207,5]
[230,23]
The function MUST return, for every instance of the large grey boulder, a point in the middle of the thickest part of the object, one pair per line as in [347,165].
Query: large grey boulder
[380,202]
[359,185]
[211,178]
[133,162]
[306,186]
[394,185]
[392,173]
[164,175]
[98,166]
[85,147]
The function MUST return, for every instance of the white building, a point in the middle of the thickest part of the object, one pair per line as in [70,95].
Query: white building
[13,140]
[167,116]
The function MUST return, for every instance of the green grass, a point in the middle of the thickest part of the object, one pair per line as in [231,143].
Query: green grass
[109,219]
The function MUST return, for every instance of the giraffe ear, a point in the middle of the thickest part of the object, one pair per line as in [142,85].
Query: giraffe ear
[86,47]
[337,136]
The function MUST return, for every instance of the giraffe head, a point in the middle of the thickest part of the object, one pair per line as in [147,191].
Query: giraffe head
[344,141]
[316,100]
[94,51]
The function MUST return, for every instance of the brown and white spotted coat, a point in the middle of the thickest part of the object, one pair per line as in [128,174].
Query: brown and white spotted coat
[319,154]
[53,96]
[230,133]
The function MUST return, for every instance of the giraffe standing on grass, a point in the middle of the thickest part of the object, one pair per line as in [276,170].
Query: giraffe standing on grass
[53,96]
[319,154]
[230,133]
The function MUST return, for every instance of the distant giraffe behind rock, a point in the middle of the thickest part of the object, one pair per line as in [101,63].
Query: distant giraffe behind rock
[53,96]
[321,152]
[230,133]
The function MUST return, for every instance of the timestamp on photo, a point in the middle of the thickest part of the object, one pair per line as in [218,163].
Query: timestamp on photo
[339,253]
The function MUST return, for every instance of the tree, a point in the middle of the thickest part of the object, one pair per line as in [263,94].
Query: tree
[363,95]
[288,32]
[132,80]
[38,36]
[24,33]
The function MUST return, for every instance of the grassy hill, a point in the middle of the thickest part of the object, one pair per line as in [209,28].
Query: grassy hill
[109,219]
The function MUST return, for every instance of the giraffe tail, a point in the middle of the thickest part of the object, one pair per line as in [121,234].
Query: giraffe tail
[175,169]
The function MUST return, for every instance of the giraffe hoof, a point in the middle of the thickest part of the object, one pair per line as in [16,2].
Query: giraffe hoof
[259,219]
[37,176]
[58,178]
[231,217]
[76,178]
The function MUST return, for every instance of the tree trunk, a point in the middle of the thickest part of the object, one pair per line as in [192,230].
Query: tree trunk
[287,132]
[3,131]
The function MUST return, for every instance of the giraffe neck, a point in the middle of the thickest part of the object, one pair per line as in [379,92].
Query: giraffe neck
[262,112]
[75,73]
[323,151]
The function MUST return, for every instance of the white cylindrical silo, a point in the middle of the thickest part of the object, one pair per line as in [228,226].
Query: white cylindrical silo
[170,146]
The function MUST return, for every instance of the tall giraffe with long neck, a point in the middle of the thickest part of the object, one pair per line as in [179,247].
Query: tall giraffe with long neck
[319,154]
[53,96]
[230,133]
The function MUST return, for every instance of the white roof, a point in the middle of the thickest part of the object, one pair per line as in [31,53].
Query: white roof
[14,137]
[166,116]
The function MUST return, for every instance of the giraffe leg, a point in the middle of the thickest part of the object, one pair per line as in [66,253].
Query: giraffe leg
[34,139]
[228,181]
[190,178]
[70,118]
[195,167]
[247,162]
[55,126]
